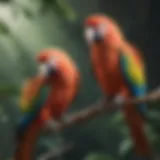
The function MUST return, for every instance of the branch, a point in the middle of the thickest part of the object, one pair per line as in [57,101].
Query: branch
[91,112]
[56,153]
[101,107]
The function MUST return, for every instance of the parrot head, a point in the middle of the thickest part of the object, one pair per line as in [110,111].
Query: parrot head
[100,28]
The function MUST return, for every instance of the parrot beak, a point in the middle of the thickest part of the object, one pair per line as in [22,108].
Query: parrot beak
[30,90]
[92,35]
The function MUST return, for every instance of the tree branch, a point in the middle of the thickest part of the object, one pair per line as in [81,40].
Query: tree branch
[56,152]
[101,107]
[91,112]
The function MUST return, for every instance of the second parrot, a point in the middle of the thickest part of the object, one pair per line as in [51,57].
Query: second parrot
[120,72]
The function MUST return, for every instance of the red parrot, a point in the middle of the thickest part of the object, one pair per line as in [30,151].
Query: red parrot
[58,71]
[120,71]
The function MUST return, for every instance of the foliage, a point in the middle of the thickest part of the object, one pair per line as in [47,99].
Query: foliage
[5,1]
[3,28]
[96,156]
[58,6]
[8,91]
[125,147]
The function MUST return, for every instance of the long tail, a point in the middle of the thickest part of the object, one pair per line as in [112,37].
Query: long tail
[136,126]
[25,147]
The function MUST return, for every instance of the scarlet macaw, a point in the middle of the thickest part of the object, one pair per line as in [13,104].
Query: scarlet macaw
[120,71]
[57,71]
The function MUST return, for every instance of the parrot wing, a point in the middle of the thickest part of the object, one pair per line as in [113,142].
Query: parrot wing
[134,76]
[33,110]
[39,100]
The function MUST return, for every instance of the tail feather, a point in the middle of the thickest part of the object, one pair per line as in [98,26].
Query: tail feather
[136,126]
[26,145]
[142,110]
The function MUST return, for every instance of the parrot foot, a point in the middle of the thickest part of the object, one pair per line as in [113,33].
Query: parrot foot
[119,100]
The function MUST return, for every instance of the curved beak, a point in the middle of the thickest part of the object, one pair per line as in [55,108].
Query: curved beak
[30,90]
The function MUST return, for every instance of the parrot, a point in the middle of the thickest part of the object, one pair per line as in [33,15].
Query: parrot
[119,69]
[46,97]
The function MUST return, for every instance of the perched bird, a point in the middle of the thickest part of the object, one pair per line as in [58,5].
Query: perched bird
[46,106]
[120,71]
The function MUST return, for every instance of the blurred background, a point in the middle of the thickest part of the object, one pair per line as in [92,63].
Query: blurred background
[27,26]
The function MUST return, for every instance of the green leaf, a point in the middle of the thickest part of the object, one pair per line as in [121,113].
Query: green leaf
[63,9]
[60,7]
[7,90]
[4,118]
[117,118]
[5,1]
[3,28]
[46,5]
[125,147]
[27,13]
[96,156]
[154,115]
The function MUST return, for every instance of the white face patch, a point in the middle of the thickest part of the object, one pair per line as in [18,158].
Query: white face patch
[43,70]
[46,68]
[89,34]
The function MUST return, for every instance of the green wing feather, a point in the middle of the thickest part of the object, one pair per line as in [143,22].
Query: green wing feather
[39,100]
[31,114]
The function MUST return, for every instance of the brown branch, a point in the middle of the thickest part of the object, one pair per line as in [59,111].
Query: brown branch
[56,152]
[101,107]
[93,111]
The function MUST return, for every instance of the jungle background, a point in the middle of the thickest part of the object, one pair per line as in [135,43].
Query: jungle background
[27,26]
